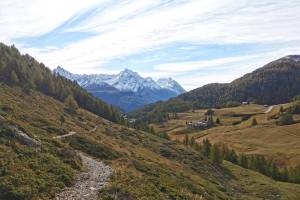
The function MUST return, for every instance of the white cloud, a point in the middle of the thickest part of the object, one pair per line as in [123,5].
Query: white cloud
[129,27]
[30,18]
[222,70]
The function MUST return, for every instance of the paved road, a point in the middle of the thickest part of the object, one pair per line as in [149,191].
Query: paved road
[89,182]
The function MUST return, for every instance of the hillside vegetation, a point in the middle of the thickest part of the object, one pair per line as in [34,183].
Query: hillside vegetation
[275,83]
[145,166]
[26,72]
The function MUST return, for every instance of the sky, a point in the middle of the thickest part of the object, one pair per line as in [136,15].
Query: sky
[193,41]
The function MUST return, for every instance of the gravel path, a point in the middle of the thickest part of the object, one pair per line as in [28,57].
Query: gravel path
[89,182]
[66,135]
[270,108]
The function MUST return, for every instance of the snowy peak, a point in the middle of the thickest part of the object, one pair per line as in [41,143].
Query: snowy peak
[295,58]
[127,89]
[127,80]
[61,71]
[169,83]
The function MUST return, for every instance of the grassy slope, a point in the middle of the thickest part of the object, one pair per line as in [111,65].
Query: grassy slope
[146,167]
[280,142]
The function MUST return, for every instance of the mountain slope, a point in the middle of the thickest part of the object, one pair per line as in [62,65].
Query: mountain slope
[131,90]
[276,82]
[145,166]
[26,72]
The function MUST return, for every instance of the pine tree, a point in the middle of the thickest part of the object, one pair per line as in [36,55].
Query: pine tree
[216,155]
[62,119]
[186,140]
[13,78]
[274,172]
[285,174]
[233,157]
[254,122]
[192,142]
[206,147]
[243,161]
[281,110]
[71,103]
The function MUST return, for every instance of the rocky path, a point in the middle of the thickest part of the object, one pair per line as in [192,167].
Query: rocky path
[88,183]
[270,108]
[66,135]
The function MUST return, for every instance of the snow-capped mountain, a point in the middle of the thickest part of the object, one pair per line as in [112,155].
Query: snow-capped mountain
[295,58]
[169,83]
[127,89]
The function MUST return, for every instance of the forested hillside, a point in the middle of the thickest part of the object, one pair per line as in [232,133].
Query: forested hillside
[26,72]
[276,82]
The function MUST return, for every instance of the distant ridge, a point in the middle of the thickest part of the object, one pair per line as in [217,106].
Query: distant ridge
[274,83]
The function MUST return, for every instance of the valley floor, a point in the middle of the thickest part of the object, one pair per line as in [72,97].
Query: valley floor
[266,138]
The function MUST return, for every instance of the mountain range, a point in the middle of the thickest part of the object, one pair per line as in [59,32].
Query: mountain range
[126,90]
[276,82]
[56,139]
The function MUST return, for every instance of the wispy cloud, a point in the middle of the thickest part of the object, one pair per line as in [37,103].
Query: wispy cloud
[91,35]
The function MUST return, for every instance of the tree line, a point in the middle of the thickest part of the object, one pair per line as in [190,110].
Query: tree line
[216,153]
[25,72]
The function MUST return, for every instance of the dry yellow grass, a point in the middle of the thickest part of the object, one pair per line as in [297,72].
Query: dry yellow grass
[280,142]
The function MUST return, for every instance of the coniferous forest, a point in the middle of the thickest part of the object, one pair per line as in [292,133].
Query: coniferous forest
[24,71]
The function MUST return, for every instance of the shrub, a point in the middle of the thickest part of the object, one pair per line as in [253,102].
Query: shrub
[95,149]
[285,119]
[254,122]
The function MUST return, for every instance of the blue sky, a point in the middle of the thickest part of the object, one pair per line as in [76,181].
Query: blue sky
[193,41]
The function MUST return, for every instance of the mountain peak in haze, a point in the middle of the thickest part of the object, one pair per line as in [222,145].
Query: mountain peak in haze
[129,85]
[171,84]
[295,58]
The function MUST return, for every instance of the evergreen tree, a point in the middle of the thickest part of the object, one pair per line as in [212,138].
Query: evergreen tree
[71,103]
[216,155]
[186,140]
[210,121]
[164,135]
[285,174]
[243,161]
[218,121]
[254,122]
[281,110]
[13,80]
[233,157]
[206,147]
[62,119]
[192,142]
[274,172]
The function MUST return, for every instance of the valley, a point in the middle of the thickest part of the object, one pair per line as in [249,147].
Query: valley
[144,165]
[281,143]
[76,137]
[149,100]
